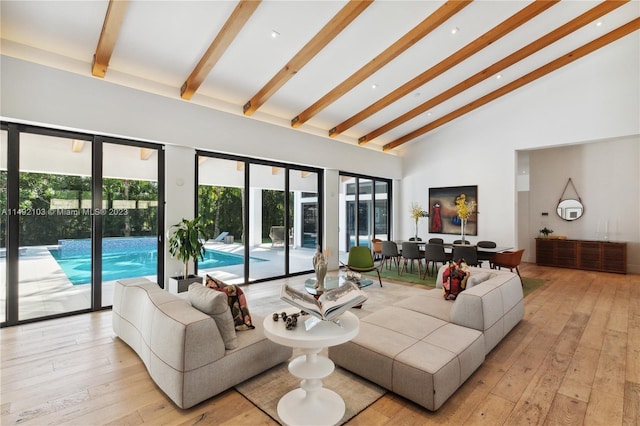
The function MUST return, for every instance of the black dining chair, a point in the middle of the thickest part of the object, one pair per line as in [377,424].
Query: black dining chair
[434,254]
[468,253]
[436,241]
[462,242]
[390,253]
[482,255]
[411,252]
[415,239]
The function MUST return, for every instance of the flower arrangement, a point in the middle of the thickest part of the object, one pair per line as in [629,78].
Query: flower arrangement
[546,231]
[416,213]
[464,208]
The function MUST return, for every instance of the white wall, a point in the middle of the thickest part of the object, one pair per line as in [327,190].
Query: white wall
[593,99]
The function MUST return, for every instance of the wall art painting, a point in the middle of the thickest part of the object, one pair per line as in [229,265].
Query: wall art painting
[443,216]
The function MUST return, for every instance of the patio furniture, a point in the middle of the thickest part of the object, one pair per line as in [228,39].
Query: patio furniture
[361,260]
[220,238]
[390,254]
[508,259]
[277,235]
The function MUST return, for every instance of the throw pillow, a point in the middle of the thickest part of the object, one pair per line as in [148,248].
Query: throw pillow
[215,304]
[236,300]
[476,279]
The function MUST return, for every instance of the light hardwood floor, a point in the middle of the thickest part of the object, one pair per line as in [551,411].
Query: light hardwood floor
[574,359]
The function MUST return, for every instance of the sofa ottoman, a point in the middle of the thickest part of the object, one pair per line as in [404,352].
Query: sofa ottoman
[422,358]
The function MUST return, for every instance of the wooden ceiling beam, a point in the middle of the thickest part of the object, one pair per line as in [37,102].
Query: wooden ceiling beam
[236,21]
[430,23]
[338,23]
[108,37]
[578,53]
[546,40]
[499,31]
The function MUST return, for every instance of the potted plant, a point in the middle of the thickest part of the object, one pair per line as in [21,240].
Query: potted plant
[546,231]
[186,243]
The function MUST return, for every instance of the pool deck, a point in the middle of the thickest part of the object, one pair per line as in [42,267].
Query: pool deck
[45,289]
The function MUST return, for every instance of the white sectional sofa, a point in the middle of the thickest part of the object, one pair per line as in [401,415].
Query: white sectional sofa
[185,350]
[424,347]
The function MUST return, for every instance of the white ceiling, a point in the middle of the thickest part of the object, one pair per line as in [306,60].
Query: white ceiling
[161,42]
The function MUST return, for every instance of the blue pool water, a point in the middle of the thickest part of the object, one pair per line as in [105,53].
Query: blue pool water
[125,258]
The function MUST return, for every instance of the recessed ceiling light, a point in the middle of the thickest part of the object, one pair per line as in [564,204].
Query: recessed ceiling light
[429,114]
[374,86]
[498,77]
[599,24]
[455,30]
[274,34]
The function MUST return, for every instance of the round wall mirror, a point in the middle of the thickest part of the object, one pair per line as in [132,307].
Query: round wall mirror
[570,209]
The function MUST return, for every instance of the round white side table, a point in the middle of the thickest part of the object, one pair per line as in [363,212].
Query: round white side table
[312,404]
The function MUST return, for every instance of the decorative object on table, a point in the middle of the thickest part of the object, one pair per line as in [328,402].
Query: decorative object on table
[443,215]
[454,279]
[465,209]
[330,305]
[416,213]
[291,320]
[186,243]
[353,276]
[320,266]
[545,232]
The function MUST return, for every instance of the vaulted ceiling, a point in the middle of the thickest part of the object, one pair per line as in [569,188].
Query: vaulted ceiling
[375,73]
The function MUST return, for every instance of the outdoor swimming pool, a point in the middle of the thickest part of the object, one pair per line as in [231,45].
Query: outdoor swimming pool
[125,258]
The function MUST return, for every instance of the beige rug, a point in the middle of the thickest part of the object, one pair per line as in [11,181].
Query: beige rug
[266,389]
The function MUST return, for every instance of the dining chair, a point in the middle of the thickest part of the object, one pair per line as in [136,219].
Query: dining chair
[376,245]
[508,259]
[488,256]
[462,242]
[415,239]
[436,241]
[390,253]
[411,252]
[468,253]
[434,254]
[361,260]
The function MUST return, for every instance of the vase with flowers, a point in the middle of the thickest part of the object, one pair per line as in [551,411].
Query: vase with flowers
[416,214]
[545,232]
[464,209]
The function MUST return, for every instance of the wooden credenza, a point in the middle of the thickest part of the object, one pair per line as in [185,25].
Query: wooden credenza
[580,254]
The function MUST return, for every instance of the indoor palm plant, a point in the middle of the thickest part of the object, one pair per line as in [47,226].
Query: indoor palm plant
[186,243]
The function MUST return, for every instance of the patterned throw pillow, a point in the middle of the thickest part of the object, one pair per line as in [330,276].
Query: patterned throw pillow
[237,302]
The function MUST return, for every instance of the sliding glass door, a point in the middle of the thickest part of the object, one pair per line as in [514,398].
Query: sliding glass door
[364,211]
[263,217]
[79,211]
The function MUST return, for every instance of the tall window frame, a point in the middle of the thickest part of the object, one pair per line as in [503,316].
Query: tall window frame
[95,143]
[288,241]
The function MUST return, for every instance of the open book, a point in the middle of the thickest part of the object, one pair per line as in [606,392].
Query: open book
[329,305]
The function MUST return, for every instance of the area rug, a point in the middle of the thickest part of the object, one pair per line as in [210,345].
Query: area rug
[266,389]
[529,284]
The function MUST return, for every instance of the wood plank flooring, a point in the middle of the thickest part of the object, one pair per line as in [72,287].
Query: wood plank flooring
[574,359]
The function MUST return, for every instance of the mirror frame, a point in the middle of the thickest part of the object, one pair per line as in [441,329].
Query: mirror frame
[570,209]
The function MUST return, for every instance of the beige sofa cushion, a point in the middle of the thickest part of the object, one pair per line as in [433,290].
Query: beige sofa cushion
[214,303]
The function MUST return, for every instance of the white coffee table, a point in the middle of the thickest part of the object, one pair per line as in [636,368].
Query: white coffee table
[311,404]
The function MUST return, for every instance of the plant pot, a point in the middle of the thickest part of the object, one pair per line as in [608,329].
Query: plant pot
[180,284]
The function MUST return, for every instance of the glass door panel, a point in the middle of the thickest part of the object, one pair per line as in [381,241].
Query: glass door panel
[130,215]
[220,204]
[304,222]
[3,225]
[365,213]
[269,237]
[54,265]
[381,214]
